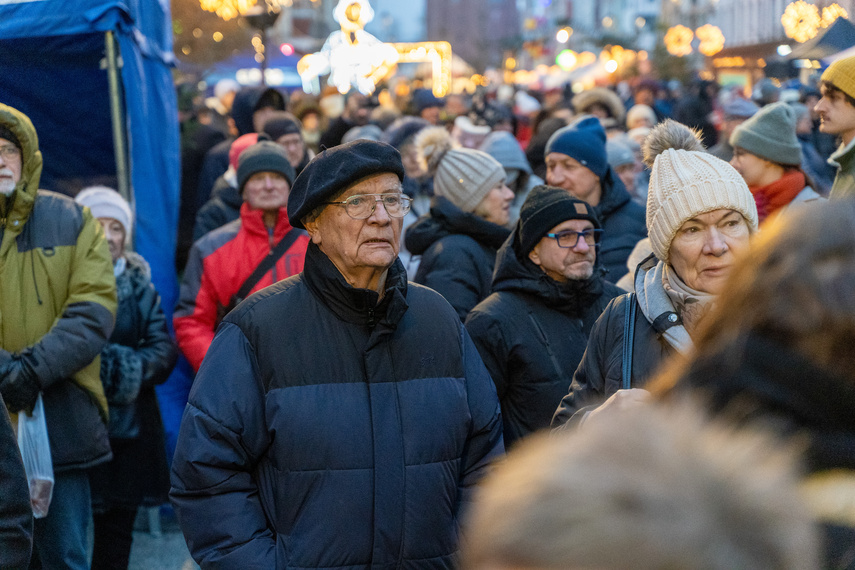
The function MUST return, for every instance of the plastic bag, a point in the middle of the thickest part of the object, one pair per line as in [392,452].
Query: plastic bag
[35,451]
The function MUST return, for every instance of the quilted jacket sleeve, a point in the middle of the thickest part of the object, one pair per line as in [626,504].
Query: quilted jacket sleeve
[196,313]
[156,349]
[88,315]
[485,442]
[450,269]
[223,435]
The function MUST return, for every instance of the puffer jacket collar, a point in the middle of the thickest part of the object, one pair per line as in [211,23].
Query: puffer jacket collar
[614,196]
[352,305]
[572,298]
[31,161]
[252,221]
[446,219]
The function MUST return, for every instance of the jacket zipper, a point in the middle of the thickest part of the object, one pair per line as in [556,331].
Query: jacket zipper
[555,363]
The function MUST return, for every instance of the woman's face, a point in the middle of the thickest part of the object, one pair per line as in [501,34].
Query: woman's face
[751,167]
[114,231]
[705,248]
[496,205]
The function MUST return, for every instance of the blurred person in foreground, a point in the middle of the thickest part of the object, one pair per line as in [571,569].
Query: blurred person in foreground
[548,289]
[139,355]
[652,488]
[700,216]
[342,417]
[16,513]
[58,305]
[467,222]
[577,161]
[781,350]
[837,115]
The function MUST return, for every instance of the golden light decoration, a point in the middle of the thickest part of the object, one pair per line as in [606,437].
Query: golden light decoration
[711,38]
[228,9]
[801,21]
[678,40]
[831,13]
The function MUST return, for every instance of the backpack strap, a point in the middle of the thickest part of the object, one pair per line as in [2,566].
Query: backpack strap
[267,264]
[628,338]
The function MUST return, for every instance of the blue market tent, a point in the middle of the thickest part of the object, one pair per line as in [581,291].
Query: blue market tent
[55,66]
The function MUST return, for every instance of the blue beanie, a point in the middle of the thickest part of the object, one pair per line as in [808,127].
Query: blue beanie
[585,141]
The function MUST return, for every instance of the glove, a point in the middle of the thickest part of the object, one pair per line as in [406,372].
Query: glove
[18,385]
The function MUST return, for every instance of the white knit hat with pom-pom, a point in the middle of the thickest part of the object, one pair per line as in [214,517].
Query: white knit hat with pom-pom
[464,176]
[686,181]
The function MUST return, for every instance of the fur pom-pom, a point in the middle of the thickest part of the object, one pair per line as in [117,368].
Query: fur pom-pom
[432,143]
[670,134]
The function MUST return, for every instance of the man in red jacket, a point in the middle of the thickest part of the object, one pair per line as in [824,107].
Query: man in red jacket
[225,266]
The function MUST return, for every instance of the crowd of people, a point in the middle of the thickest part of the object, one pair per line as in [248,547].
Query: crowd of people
[379,300]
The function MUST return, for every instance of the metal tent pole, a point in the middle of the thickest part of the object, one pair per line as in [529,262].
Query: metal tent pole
[119,146]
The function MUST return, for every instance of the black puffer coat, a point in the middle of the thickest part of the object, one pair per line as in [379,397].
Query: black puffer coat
[139,355]
[16,514]
[222,208]
[531,333]
[325,430]
[600,372]
[458,252]
[623,226]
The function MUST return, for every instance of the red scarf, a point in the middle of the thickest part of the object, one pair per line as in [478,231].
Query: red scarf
[774,196]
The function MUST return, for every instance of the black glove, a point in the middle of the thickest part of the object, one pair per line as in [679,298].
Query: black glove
[18,385]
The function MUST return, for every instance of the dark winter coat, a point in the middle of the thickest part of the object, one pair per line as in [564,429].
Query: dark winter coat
[624,226]
[325,430]
[16,514]
[139,355]
[222,208]
[531,333]
[600,372]
[458,252]
[768,381]
[217,159]
[335,132]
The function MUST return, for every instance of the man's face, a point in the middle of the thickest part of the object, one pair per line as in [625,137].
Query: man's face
[836,114]
[626,173]
[114,231]
[431,115]
[410,158]
[358,110]
[568,173]
[564,264]
[644,97]
[266,191]
[360,247]
[10,166]
[294,147]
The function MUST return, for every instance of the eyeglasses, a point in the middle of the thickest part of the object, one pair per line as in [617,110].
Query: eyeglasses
[9,151]
[361,206]
[570,238]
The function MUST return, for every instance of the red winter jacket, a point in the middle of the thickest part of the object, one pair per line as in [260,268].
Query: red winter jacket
[219,264]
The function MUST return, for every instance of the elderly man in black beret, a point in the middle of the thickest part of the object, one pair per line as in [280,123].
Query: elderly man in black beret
[342,416]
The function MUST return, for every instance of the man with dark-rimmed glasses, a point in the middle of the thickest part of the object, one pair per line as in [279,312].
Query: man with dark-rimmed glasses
[342,416]
[548,290]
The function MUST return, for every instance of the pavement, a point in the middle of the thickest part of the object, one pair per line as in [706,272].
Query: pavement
[166,551]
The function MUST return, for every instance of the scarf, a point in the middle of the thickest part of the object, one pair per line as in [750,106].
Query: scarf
[654,301]
[774,196]
[690,304]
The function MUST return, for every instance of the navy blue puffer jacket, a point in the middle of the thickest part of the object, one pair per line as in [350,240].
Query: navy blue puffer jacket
[325,430]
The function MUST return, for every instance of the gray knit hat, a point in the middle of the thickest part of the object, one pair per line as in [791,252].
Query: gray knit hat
[464,176]
[770,134]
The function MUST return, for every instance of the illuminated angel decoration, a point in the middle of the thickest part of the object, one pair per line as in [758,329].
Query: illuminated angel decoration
[352,57]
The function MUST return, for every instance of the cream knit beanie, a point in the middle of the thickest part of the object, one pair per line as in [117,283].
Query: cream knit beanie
[686,181]
[463,176]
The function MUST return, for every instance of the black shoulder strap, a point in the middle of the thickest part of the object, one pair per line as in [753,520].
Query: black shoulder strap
[628,337]
[268,262]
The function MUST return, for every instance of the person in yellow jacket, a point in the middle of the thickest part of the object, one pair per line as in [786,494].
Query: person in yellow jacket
[57,309]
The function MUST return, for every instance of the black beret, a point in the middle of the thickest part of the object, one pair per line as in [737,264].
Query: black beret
[544,208]
[335,169]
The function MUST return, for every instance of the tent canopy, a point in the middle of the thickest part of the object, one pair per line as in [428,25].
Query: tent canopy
[835,38]
[52,60]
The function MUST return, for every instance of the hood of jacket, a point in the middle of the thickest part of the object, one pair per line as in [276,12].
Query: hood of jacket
[523,276]
[614,195]
[446,219]
[22,199]
[244,106]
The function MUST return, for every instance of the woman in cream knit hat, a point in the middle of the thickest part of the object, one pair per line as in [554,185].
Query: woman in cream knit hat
[467,223]
[700,217]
